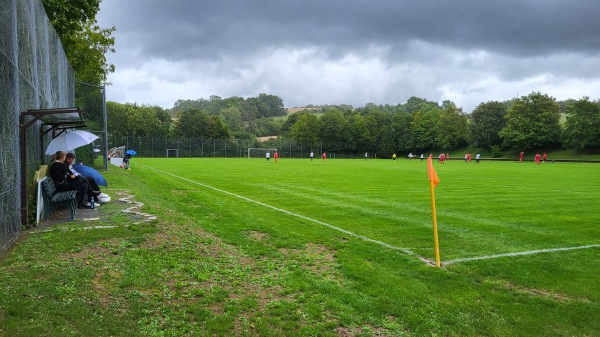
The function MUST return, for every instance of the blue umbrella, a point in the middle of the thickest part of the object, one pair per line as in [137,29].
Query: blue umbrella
[131,152]
[90,172]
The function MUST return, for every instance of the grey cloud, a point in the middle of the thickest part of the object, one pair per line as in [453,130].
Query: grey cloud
[189,29]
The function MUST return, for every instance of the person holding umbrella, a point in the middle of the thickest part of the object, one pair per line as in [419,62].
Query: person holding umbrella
[127,157]
[93,190]
[65,180]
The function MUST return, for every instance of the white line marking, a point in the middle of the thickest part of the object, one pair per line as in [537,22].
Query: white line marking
[404,250]
[528,252]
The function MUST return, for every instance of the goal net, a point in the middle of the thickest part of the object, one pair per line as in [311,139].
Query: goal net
[257,152]
[116,152]
[172,153]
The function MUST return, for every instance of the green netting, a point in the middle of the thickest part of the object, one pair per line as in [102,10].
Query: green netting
[34,74]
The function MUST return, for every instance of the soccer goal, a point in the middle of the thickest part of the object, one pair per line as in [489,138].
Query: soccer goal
[172,153]
[117,152]
[257,152]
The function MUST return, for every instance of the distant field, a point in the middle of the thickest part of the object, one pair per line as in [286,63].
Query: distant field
[294,110]
[334,248]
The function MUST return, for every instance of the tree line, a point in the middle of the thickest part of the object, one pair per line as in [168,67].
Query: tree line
[535,121]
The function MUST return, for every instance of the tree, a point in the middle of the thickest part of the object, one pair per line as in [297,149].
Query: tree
[582,128]
[232,116]
[268,127]
[331,127]
[402,132]
[487,121]
[424,129]
[193,123]
[84,42]
[451,127]
[134,120]
[274,104]
[355,132]
[532,122]
[216,129]
[306,129]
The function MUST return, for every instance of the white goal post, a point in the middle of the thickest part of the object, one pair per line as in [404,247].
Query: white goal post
[259,152]
[172,153]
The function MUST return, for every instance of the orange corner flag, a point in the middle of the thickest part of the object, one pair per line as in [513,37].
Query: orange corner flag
[432,175]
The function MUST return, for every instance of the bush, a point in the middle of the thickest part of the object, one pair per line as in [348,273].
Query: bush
[495,151]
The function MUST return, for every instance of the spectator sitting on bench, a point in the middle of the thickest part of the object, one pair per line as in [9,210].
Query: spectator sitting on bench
[93,190]
[64,180]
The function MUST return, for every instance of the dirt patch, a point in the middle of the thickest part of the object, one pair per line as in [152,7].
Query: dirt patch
[541,293]
[355,331]
[315,257]
[258,236]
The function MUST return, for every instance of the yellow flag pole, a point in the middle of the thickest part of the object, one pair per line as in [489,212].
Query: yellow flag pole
[436,244]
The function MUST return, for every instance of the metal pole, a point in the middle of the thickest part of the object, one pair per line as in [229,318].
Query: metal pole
[105,126]
[23,162]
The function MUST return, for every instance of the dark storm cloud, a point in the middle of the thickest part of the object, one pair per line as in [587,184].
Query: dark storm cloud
[212,29]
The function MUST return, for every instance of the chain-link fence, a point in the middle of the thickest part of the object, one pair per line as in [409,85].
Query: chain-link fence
[212,148]
[34,74]
[222,148]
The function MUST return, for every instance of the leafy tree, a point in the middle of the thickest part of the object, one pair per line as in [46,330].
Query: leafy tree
[305,129]
[232,116]
[451,127]
[355,133]
[582,128]
[532,122]
[402,133]
[216,129]
[84,42]
[268,127]
[487,121]
[134,120]
[290,121]
[274,105]
[414,104]
[193,123]
[424,128]
[331,127]
[375,122]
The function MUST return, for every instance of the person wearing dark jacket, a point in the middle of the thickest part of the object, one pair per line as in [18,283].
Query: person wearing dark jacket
[93,190]
[64,180]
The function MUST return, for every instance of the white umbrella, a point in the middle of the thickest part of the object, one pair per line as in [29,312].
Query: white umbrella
[70,140]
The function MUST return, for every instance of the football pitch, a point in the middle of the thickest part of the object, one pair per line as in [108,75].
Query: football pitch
[520,243]
[484,210]
[242,247]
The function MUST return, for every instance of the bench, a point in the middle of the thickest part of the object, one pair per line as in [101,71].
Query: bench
[52,198]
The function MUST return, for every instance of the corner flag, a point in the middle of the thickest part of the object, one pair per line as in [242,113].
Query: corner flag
[432,175]
[433,181]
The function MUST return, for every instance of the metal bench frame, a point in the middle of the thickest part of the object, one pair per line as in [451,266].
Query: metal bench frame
[52,198]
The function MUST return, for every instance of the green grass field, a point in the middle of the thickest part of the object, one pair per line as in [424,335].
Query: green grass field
[335,248]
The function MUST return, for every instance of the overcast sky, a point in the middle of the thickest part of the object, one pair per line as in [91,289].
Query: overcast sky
[353,52]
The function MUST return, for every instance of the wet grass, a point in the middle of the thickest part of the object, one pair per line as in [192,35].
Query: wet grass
[216,264]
